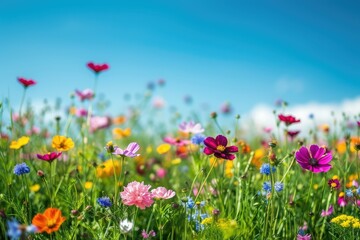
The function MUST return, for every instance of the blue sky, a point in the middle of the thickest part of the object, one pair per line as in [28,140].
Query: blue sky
[244,52]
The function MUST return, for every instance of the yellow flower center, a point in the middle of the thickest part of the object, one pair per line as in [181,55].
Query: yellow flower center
[51,223]
[220,148]
[333,185]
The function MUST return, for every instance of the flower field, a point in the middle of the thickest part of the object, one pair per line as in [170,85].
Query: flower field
[86,175]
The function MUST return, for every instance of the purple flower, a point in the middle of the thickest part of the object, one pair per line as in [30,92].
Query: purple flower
[146,235]
[86,94]
[49,157]
[315,159]
[218,147]
[328,212]
[130,150]
[191,127]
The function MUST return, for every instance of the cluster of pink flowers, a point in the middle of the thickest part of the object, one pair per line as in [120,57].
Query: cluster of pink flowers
[139,194]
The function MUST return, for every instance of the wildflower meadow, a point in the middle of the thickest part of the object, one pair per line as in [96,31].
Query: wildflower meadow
[139,175]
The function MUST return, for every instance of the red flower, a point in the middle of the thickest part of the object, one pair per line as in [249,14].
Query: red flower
[217,146]
[334,183]
[292,134]
[288,120]
[97,68]
[49,157]
[26,82]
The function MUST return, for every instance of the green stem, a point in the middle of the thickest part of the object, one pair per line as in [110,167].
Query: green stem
[203,183]
[134,221]
[115,181]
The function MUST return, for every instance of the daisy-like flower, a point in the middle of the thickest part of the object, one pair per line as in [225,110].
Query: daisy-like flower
[334,184]
[218,147]
[49,221]
[62,144]
[26,82]
[329,211]
[162,193]
[191,127]
[86,94]
[49,157]
[20,142]
[288,120]
[315,159]
[97,68]
[126,226]
[130,150]
[137,194]
[21,169]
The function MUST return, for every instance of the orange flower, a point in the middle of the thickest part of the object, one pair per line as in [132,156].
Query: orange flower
[121,133]
[49,221]
[119,120]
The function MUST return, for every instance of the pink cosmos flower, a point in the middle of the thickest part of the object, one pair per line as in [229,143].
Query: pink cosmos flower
[327,212]
[303,237]
[146,235]
[137,194]
[97,123]
[86,94]
[130,150]
[49,157]
[176,141]
[191,127]
[162,193]
[82,112]
[158,102]
[97,68]
[315,159]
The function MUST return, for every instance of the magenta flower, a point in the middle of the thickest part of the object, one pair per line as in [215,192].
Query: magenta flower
[82,112]
[303,237]
[49,157]
[130,150]
[146,235]
[137,194]
[325,213]
[191,127]
[288,120]
[341,202]
[218,147]
[162,193]
[86,94]
[97,68]
[334,184]
[292,134]
[316,159]
[26,82]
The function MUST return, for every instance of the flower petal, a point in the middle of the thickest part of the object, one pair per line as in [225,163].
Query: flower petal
[208,151]
[325,159]
[324,168]
[314,149]
[210,142]
[221,140]
[133,147]
[231,149]
[319,153]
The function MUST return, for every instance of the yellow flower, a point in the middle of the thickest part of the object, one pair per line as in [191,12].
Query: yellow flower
[316,186]
[176,161]
[163,148]
[119,120]
[356,225]
[215,161]
[258,156]
[72,111]
[106,169]
[35,188]
[61,143]
[229,166]
[20,142]
[88,185]
[345,224]
[149,149]
[121,133]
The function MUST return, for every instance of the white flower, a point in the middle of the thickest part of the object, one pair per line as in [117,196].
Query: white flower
[126,226]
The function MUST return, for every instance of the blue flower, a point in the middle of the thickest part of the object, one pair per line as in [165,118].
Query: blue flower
[349,193]
[267,186]
[198,139]
[279,186]
[14,231]
[358,191]
[190,203]
[104,201]
[266,169]
[21,169]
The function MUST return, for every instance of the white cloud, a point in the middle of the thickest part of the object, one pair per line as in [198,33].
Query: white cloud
[262,115]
